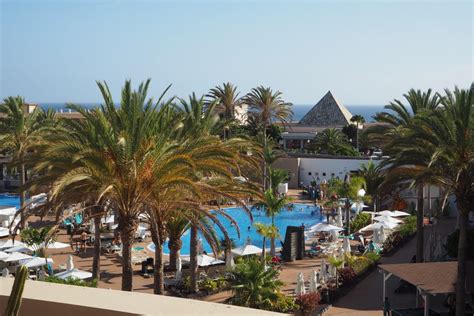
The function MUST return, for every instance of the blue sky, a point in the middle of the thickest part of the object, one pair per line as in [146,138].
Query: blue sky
[365,52]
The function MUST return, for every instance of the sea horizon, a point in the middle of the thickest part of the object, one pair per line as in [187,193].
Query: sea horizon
[299,110]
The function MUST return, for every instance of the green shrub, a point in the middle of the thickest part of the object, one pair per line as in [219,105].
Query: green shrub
[71,281]
[372,256]
[284,304]
[360,264]
[255,286]
[360,221]
[208,285]
[408,227]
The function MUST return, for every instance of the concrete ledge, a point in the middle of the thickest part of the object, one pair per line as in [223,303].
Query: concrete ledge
[42,298]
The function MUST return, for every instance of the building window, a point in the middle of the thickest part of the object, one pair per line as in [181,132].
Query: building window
[309,173]
[324,174]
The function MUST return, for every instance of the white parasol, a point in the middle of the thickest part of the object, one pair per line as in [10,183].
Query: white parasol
[324,227]
[3,255]
[10,243]
[36,262]
[387,219]
[323,273]
[74,273]
[246,250]
[382,235]
[300,289]
[377,225]
[205,260]
[346,245]
[313,282]
[69,263]
[16,256]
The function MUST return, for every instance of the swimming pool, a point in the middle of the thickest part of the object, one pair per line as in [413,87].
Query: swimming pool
[300,214]
[7,199]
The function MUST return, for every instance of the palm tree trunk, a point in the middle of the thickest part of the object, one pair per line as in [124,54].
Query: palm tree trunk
[127,234]
[462,254]
[272,240]
[263,250]
[158,284]
[420,235]
[97,244]
[22,194]
[174,247]
[264,182]
[193,267]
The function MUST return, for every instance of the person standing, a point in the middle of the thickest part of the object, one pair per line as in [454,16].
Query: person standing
[83,241]
[386,307]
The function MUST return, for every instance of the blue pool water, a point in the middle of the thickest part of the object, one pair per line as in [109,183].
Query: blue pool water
[9,200]
[300,214]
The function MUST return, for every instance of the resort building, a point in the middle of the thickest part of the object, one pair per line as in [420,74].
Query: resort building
[327,113]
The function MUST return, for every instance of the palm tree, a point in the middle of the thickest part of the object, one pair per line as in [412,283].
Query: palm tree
[333,142]
[227,101]
[199,118]
[20,134]
[116,154]
[374,178]
[39,239]
[397,117]
[358,120]
[265,107]
[272,204]
[255,286]
[446,137]
[277,176]
[266,231]
[176,227]
[347,189]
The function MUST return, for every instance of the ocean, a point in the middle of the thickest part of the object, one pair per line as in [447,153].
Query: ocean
[299,110]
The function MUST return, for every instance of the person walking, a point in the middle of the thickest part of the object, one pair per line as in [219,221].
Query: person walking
[386,307]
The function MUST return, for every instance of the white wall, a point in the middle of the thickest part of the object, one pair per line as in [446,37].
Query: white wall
[325,168]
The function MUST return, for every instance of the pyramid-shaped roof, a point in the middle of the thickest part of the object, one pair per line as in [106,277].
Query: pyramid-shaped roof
[327,112]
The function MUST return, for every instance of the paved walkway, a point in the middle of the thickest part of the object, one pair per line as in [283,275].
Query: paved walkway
[366,298]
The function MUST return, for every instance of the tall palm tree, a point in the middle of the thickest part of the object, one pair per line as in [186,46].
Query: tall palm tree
[272,204]
[396,118]
[20,134]
[227,101]
[266,107]
[358,120]
[119,154]
[333,142]
[446,136]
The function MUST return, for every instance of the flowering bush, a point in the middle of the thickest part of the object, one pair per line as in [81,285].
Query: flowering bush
[346,275]
[308,302]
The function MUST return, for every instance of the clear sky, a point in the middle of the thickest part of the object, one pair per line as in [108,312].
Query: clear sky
[365,52]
